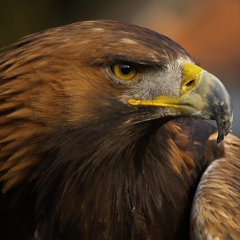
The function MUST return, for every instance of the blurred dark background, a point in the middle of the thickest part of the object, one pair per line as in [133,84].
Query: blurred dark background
[208,30]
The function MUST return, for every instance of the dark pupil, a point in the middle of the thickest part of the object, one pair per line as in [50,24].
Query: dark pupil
[125,69]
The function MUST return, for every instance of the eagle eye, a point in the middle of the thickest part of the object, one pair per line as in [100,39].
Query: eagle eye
[124,71]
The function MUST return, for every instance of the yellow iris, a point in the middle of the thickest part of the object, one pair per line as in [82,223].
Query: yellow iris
[124,71]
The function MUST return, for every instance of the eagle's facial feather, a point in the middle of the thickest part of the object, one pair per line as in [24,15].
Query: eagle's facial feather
[70,132]
[78,82]
[56,76]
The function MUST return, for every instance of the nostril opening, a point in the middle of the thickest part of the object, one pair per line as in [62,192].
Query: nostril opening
[189,86]
[190,83]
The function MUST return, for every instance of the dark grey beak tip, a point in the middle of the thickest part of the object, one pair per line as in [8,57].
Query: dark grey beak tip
[224,128]
[221,136]
[220,106]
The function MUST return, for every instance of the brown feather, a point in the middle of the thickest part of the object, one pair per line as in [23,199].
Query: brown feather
[76,161]
[216,206]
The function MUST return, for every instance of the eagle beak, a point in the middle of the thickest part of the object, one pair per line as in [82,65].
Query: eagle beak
[202,96]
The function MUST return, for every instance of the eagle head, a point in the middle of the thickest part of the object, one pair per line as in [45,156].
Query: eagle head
[85,131]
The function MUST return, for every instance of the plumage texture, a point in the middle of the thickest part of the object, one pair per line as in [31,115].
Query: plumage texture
[216,202]
[77,161]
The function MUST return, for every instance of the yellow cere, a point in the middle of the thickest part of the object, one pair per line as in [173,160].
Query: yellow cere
[191,76]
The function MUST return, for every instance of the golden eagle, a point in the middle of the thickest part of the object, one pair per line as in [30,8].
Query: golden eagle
[102,137]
